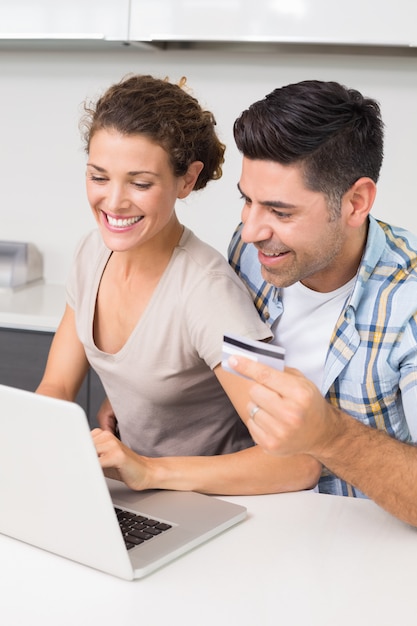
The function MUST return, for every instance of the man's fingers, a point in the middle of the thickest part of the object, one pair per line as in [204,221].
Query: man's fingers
[254,370]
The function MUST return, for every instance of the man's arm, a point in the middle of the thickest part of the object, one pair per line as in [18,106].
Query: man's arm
[294,419]
[382,467]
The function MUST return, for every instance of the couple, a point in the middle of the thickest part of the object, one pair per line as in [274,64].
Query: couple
[148,302]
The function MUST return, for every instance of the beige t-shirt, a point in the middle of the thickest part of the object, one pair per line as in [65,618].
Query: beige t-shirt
[161,386]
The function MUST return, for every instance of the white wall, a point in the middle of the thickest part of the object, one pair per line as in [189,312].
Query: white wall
[42,196]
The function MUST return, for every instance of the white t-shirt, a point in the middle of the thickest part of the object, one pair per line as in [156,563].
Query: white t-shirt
[306,325]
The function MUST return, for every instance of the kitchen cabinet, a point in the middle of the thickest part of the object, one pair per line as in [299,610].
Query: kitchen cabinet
[52,19]
[23,355]
[29,317]
[358,22]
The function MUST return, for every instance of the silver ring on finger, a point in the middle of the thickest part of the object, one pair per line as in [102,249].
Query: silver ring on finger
[253,411]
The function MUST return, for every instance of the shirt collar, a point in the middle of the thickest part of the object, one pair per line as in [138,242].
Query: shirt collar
[374,248]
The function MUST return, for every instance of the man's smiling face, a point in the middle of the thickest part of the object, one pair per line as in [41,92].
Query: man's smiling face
[296,235]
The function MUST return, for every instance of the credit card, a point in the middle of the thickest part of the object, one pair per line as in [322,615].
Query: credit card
[259,351]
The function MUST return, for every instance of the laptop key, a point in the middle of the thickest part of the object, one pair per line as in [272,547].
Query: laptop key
[141,534]
[134,540]
[163,526]
[137,529]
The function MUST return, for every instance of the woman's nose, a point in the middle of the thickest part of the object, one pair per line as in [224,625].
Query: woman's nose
[116,198]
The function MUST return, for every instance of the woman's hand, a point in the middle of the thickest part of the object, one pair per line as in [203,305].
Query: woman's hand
[106,418]
[120,462]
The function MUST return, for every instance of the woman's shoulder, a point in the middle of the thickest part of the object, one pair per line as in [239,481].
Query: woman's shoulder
[90,244]
[203,254]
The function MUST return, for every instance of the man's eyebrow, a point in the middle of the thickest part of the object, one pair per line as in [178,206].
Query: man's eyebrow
[275,204]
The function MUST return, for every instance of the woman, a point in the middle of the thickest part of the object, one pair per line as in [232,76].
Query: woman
[148,303]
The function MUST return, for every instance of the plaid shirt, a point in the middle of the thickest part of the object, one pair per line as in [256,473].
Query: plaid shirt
[371,365]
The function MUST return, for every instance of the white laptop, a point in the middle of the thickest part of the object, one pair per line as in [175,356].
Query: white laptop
[53,495]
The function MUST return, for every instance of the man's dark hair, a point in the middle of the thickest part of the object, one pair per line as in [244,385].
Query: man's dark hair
[333,133]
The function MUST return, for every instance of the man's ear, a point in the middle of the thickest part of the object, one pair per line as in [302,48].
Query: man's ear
[360,198]
[189,178]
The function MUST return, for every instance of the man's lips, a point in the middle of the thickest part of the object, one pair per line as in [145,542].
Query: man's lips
[271,258]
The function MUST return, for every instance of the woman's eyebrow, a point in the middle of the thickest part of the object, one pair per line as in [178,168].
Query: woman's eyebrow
[132,173]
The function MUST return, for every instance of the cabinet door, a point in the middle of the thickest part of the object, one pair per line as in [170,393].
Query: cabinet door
[365,22]
[23,356]
[75,19]
[96,396]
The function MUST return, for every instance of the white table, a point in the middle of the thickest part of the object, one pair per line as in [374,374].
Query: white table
[299,559]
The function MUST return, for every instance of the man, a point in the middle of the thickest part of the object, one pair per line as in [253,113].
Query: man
[338,288]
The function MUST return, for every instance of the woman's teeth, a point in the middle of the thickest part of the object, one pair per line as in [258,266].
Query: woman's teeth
[122,222]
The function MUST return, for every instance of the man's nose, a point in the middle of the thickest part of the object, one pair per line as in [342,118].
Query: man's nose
[256,225]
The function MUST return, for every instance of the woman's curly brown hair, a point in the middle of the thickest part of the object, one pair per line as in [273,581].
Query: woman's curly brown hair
[165,113]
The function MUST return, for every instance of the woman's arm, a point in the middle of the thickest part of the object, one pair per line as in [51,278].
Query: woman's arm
[250,471]
[67,364]
[106,418]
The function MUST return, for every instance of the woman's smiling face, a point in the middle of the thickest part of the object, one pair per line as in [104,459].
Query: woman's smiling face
[131,188]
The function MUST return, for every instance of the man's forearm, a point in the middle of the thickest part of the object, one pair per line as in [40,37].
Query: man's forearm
[383,468]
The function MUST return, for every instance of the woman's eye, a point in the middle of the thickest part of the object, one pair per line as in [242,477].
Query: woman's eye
[142,185]
[97,179]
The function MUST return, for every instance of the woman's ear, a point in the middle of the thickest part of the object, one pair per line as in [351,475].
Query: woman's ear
[189,179]
[360,198]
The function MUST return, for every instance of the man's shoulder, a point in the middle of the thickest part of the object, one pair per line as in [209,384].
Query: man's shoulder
[242,256]
[400,246]
[388,269]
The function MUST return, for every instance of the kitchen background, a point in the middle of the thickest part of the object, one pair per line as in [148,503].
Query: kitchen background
[44,83]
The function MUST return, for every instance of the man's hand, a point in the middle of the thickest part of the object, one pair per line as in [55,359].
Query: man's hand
[287,414]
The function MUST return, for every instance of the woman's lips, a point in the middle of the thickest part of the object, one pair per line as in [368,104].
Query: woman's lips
[121,223]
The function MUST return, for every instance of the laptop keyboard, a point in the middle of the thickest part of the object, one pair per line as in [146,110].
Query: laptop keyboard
[137,529]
